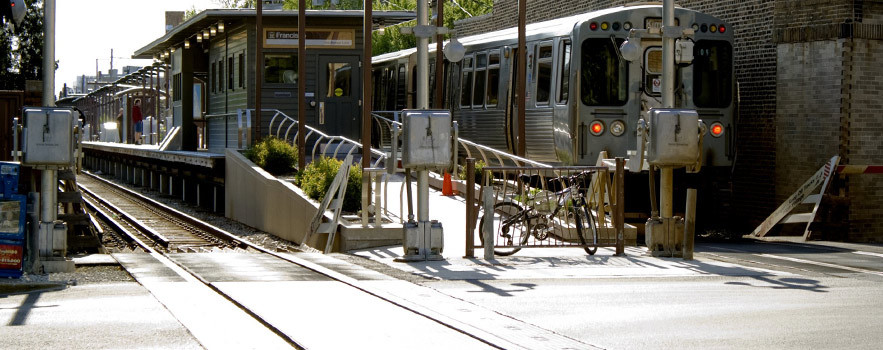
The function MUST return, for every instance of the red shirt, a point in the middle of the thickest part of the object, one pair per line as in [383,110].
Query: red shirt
[136,114]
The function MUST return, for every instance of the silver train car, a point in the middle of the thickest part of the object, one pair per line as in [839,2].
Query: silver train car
[582,97]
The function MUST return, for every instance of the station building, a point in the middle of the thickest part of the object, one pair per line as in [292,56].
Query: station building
[808,90]
[211,62]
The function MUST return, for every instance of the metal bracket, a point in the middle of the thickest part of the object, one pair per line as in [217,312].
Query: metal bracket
[426,31]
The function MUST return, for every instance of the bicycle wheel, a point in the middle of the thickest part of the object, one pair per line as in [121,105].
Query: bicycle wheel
[585,222]
[506,233]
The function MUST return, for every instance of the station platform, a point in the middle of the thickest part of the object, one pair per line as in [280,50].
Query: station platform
[195,158]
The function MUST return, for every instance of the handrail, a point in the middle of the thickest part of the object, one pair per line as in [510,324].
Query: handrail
[319,137]
[499,157]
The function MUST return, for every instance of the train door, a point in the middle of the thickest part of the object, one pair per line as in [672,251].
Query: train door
[339,95]
[512,106]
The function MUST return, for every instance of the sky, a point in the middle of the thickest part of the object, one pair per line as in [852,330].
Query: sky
[86,30]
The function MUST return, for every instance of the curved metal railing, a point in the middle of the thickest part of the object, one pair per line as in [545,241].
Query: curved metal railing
[317,138]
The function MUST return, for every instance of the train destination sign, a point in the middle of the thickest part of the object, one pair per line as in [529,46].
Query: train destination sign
[316,38]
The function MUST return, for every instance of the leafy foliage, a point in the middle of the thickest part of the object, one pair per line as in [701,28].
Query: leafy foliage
[21,49]
[274,155]
[319,175]
[479,166]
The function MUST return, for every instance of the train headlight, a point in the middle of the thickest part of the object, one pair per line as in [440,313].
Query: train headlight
[717,129]
[596,128]
[617,128]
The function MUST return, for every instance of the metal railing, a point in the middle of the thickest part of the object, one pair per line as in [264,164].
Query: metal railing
[321,142]
[546,207]
[488,155]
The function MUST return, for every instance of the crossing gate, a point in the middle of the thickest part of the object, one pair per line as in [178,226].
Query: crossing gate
[811,192]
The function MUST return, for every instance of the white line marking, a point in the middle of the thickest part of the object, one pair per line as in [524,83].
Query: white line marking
[817,263]
[869,253]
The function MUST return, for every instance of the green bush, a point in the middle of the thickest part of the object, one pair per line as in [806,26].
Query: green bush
[274,155]
[319,174]
[479,165]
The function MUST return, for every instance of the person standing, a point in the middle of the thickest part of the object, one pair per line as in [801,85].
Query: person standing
[136,120]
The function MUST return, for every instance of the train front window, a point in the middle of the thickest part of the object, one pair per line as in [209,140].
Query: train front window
[712,74]
[604,77]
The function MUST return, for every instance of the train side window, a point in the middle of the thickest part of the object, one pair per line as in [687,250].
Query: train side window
[493,78]
[466,83]
[401,89]
[653,71]
[712,74]
[564,78]
[390,89]
[544,73]
[480,80]
[603,76]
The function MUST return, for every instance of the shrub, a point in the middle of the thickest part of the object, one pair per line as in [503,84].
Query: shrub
[319,174]
[479,165]
[274,155]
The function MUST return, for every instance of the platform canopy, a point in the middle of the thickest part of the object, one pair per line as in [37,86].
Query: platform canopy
[207,18]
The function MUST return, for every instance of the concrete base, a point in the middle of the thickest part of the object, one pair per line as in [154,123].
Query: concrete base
[357,237]
[61,265]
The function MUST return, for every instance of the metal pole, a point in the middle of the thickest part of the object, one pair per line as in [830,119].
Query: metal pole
[619,214]
[368,26]
[259,68]
[689,224]
[470,207]
[301,84]
[49,53]
[522,77]
[439,55]
[668,101]
[422,103]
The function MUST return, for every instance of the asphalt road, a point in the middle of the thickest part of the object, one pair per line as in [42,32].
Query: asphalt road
[827,298]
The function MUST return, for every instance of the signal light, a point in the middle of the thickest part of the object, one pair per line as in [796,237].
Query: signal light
[616,26]
[617,128]
[593,26]
[717,129]
[627,26]
[713,28]
[704,28]
[605,26]
[597,127]
[722,29]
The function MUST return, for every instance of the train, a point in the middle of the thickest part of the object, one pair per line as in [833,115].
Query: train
[582,96]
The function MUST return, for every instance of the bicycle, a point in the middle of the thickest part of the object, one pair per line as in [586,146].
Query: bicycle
[512,221]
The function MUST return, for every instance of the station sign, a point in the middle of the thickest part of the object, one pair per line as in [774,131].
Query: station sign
[316,38]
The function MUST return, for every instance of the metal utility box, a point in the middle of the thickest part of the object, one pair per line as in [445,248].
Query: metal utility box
[48,136]
[674,137]
[423,240]
[426,140]
[665,236]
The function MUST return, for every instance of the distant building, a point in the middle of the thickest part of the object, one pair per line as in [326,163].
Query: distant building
[88,83]
[173,19]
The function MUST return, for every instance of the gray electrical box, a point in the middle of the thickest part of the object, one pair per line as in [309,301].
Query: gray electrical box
[674,137]
[426,140]
[48,136]
[423,240]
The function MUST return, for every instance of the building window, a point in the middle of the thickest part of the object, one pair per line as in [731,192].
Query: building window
[176,87]
[241,70]
[212,80]
[280,69]
[230,72]
[221,76]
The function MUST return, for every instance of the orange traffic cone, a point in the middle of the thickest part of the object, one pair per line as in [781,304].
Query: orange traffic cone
[447,189]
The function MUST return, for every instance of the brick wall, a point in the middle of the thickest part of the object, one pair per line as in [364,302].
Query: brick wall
[863,142]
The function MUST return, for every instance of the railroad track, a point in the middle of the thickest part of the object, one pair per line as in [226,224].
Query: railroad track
[138,222]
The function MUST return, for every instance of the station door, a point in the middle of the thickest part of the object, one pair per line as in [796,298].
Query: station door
[338,95]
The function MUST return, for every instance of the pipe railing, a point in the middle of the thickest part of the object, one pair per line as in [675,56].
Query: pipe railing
[488,155]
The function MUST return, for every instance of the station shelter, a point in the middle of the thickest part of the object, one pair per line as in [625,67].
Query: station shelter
[212,60]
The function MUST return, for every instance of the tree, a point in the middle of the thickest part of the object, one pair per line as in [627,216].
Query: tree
[22,56]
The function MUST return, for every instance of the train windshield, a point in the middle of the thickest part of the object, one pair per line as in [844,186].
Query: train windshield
[604,76]
[712,74]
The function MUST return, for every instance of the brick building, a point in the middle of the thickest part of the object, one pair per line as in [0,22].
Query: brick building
[807,73]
